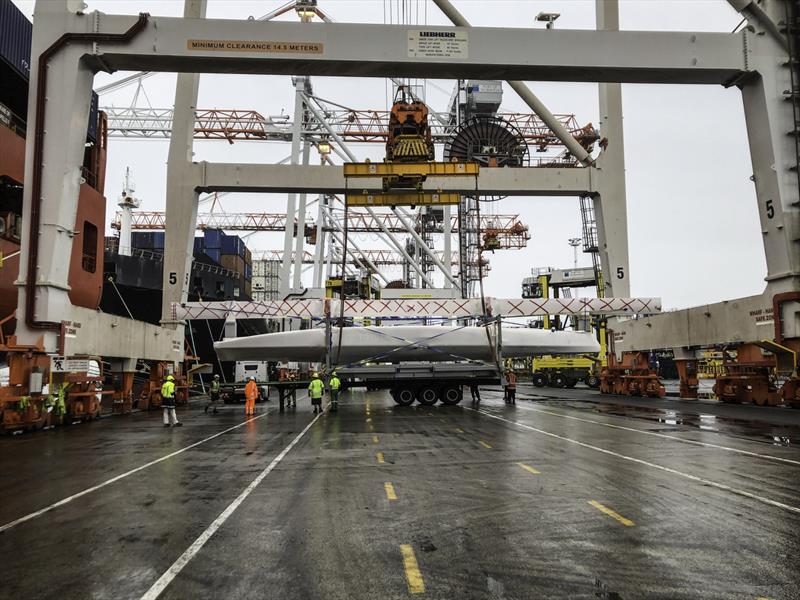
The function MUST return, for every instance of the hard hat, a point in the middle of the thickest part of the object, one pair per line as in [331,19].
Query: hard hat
[315,375]
[252,378]
[216,376]
[334,374]
[170,378]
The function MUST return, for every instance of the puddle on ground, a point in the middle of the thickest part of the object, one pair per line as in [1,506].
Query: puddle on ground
[776,435]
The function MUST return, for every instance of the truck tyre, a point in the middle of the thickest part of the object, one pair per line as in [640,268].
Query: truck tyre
[593,381]
[540,379]
[427,396]
[451,395]
[558,380]
[403,396]
[571,382]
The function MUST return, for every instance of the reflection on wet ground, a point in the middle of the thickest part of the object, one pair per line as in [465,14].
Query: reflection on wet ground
[775,434]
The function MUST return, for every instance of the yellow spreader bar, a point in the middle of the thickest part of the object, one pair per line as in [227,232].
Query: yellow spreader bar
[423,169]
[413,577]
[401,199]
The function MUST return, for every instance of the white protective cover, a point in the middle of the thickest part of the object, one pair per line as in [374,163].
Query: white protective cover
[403,343]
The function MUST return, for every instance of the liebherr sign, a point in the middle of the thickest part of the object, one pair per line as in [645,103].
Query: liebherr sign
[255,46]
[446,43]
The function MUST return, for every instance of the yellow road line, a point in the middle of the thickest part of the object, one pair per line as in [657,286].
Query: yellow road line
[413,576]
[611,513]
[459,430]
[390,494]
[530,469]
[374,439]
[379,456]
[369,419]
[484,444]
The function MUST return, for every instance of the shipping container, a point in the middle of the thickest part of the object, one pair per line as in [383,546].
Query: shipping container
[233,263]
[213,238]
[94,107]
[233,245]
[248,256]
[248,271]
[214,254]
[143,240]
[266,268]
[198,244]
[158,240]
[16,32]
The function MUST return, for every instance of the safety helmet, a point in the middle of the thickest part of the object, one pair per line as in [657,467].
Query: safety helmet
[252,378]
[170,378]
[216,376]
[315,375]
[334,374]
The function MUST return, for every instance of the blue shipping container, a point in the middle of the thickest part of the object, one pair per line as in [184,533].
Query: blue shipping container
[214,254]
[248,272]
[16,32]
[198,244]
[91,132]
[158,240]
[232,245]
[213,238]
[142,239]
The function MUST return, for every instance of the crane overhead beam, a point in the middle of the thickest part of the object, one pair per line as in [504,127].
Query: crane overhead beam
[351,125]
[508,228]
[377,257]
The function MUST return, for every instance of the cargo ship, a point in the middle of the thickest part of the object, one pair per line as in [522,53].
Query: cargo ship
[100,276]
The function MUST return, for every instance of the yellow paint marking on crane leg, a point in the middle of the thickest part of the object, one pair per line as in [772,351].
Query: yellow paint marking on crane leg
[413,576]
[611,513]
[390,493]
[530,469]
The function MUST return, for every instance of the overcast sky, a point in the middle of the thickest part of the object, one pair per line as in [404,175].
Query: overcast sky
[692,221]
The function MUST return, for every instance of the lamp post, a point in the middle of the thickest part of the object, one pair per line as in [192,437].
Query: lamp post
[575,242]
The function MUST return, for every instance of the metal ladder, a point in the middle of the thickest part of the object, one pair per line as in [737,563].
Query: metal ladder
[590,242]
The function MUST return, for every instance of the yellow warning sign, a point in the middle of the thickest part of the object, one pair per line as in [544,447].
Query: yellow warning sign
[255,46]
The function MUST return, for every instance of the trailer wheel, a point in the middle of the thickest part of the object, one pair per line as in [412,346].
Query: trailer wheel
[593,381]
[558,380]
[540,379]
[571,382]
[451,395]
[427,396]
[403,396]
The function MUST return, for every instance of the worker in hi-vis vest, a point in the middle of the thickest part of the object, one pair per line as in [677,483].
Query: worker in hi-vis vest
[315,390]
[250,396]
[213,394]
[334,383]
[168,402]
[511,387]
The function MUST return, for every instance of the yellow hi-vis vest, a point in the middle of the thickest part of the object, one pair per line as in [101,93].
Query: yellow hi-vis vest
[315,388]
[335,383]
[168,389]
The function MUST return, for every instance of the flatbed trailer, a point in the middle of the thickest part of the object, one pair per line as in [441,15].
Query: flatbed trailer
[427,383]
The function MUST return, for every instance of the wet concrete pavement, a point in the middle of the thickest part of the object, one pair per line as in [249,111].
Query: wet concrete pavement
[566,495]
